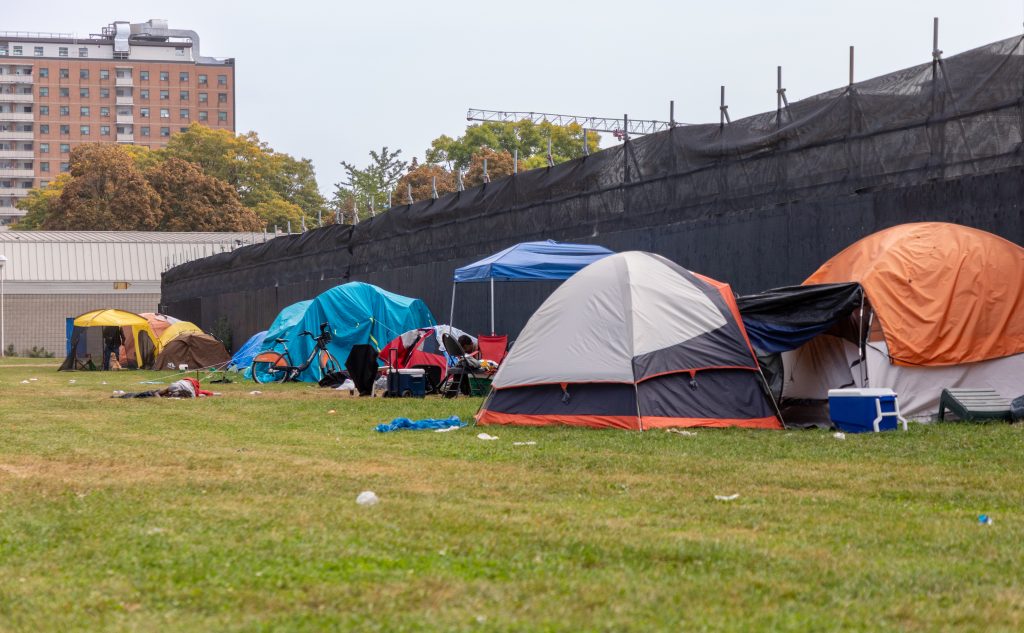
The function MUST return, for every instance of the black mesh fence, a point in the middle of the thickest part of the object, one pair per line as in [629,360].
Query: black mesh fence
[759,202]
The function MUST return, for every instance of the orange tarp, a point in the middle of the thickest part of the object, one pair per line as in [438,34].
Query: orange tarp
[945,294]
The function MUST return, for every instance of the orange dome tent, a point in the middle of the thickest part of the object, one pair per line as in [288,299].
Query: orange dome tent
[944,294]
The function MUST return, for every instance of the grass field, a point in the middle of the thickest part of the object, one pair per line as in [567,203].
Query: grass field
[239,513]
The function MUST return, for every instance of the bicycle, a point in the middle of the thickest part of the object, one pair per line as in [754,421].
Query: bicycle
[273,366]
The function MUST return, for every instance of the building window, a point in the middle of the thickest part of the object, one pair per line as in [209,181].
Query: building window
[83,93]
[105,111]
[182,77]
[44,72]
[44,91]
[165,95]
[64,166]
[104,130]
[144,130]
[83,51]
[83,73]
[104,73]
[64,148]
[65,130]
[65,111]
[165,75]
[44,110]
[144,113]
[222,80]
[44,128]
[183,114]
[62,51]
[202,80]
[65,92]
[104,93]
[144,75]
[203,97]
[65,73]
[44,148]
[144,94]
[165,113]
[17,51]
[165,131]
[222,97]
[83,130]
[222,116]
[38,51]
[183,129]
[183,95]
[83,111]
[204,115]
[44,166]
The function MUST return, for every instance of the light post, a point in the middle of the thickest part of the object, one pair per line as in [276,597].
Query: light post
[3,313]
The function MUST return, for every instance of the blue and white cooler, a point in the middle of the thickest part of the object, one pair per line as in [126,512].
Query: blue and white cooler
[861,410]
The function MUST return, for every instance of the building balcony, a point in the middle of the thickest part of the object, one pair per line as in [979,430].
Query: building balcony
[125,101]
[16,136]
[16,153]
[126,138]
[14,191]
[16,79]
[16,97]
[125,119]
[16,116]
[123,81]
[17,173]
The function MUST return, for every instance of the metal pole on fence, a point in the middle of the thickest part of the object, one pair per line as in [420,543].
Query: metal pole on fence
[778,96]
[451,316]
[408,192]
[486,177]
[389,198]
[459,185]
[723,110]
[289,227]
[851,66]
[373,213]
[586,145]
[433,187]
[551,158]
[492,306]
[515,161]
[672,113]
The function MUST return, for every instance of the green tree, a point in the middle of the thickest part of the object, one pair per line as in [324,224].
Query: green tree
[372,183]
[251,166]
[279,213]
[106,192]
[193,201]
[530,139]
[39,204]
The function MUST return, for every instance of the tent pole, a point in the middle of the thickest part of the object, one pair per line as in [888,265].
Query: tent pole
[492,306]
[451,317]
[862,335]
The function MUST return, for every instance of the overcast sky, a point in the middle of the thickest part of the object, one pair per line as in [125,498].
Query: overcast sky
[331,79]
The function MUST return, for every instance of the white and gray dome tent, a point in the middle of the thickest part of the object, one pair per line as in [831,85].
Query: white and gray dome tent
[632,341]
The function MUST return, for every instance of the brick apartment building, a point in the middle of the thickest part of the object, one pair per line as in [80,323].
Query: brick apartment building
[132,83]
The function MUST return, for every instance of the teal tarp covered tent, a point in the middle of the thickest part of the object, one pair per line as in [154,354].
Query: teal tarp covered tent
[358,314]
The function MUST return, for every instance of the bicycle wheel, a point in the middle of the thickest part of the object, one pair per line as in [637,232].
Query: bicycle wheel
[270,367]
[328,364]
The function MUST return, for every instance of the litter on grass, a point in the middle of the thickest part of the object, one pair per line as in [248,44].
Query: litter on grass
[732,497]
[485,436]
[405,424]
[255,393]
[24,382]
[839,435]
[367,498]
[530,443]
[681,432]
[450,428]
[984,519]
[331,412]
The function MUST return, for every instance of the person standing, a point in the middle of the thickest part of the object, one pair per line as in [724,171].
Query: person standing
[113,339]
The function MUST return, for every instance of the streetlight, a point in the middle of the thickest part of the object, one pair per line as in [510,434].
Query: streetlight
[3,342]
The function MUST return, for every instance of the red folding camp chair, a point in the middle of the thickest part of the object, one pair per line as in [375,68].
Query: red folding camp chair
[492,347]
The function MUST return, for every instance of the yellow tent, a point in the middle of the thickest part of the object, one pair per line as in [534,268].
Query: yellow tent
[174,331]
[120,318]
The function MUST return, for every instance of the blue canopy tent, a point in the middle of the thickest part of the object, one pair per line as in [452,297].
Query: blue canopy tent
[358,314]
[529,261]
